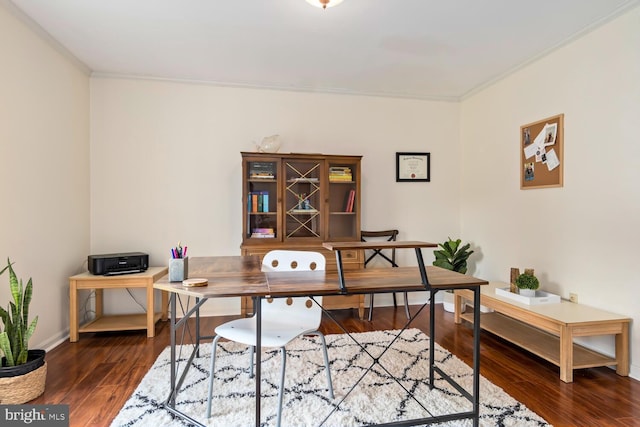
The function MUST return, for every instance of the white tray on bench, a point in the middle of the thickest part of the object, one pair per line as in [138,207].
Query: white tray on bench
[541,297]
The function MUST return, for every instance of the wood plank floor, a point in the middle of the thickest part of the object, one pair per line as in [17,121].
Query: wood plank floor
[96,375]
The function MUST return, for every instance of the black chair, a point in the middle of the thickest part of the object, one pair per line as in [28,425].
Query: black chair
[390,236]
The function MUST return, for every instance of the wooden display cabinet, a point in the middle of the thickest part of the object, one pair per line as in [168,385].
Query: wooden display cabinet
[297,202]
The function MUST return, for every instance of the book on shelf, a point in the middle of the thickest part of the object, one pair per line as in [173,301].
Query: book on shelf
[258,201]
[352,200]
[262,170]
[263,233]
[303,179]
[335,178]
[262,230]
[261,176]
[351,197]
[339,169]
[340,173]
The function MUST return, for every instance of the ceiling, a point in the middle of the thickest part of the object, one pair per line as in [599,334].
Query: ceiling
[426,49]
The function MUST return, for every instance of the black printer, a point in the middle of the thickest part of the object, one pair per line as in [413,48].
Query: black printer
[122,263]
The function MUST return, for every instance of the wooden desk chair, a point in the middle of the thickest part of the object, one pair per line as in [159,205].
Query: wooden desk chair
[390,236]
[283,319]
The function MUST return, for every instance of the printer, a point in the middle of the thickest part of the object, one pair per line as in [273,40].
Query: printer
[122,263]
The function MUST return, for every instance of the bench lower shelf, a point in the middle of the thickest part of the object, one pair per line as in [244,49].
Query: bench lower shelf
[123,322]
[538,342]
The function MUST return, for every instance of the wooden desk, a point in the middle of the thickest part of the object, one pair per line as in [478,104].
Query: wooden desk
[125,322]
[241,276]
[339,247]
[547,330]
[234,276]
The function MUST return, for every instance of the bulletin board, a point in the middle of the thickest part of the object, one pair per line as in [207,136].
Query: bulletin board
[542,153]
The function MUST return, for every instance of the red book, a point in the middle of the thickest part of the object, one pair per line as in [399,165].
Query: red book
[352,196]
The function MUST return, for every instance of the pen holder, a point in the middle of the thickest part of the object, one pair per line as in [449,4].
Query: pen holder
[178,269]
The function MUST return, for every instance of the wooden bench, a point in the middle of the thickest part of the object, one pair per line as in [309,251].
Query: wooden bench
[547,330]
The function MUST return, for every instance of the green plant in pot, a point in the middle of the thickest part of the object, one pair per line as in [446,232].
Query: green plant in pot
[527,284]
[23,371]
[452,255]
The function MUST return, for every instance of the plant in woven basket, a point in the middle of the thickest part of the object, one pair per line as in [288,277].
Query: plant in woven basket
[16,329]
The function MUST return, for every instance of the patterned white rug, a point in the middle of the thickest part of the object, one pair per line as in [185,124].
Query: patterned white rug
[377,398]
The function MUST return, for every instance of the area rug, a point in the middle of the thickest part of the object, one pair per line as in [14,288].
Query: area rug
[377,398]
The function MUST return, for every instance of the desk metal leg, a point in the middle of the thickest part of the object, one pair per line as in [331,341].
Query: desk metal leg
[476,356]
[422,268]
[197,328]
[172,396]
[343,288]
[432,338]
[474,395]
[257,307]
[170,403]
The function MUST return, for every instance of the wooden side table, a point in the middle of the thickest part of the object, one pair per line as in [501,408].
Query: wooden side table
[547,330]
[123,322]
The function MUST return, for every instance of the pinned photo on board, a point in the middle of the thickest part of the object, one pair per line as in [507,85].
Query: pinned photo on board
[526,136]
[550,131]
[528,171]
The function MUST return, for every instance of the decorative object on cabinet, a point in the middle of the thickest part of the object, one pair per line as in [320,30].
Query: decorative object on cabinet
[312,198]
[269,144]
[413,167]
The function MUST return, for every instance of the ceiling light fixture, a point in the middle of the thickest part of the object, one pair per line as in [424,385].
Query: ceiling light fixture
[324,3]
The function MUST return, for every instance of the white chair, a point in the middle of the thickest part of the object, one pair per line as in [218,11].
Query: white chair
[283,319]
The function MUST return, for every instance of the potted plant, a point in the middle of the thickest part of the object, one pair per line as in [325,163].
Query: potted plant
[22,372]
[527,284]
[453,256]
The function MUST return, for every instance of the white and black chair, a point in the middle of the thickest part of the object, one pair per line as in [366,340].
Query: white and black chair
[283,319]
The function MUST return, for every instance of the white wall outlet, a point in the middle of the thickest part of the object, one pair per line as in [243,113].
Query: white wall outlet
[573,297]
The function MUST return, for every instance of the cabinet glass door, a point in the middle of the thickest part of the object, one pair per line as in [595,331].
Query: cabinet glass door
[303,202]
[262,196]
[343,200]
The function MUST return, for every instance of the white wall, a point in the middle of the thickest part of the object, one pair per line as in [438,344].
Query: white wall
[584,237]
[166,165]
[44,147]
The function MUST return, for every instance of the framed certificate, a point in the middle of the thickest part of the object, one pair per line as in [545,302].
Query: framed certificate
[413,167]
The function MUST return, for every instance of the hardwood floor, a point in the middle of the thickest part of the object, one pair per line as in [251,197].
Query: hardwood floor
[96,375]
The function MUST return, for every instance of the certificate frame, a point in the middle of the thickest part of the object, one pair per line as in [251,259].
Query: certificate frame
[413,167]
